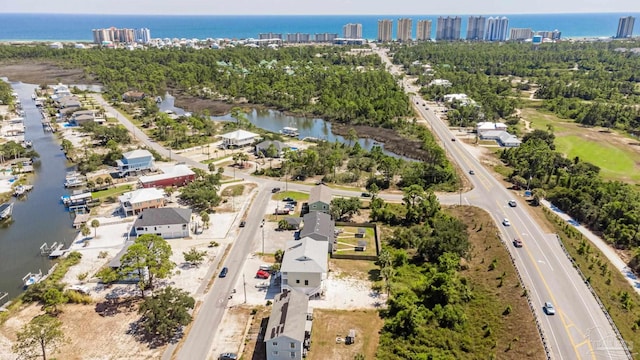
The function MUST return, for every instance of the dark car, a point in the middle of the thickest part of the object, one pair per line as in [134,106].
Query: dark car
[517,243]
[228,356]
[275,190]
[287,199]
[243,223]
[471,172]
[512,203]
[453,139]
[366,194]
[223,272]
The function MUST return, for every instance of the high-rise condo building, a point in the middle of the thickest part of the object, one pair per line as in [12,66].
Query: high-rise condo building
[114,34]
[519,34]
[625,27]
[404,30]
[298,38]
[553,35]
[269,36]
[497,29]
[325,37]
[385,28]
[423,30]
[142,35]
[475,28]
[352,31]
[448,28]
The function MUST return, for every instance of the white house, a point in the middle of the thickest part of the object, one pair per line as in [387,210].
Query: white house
[238,138]
[485,126]
[169,223]
[289,327]
[133,202]
[304,266]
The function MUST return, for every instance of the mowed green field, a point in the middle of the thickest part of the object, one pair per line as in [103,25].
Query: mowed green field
[609,151]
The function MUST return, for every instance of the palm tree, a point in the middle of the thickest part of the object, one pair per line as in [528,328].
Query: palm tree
[95,224]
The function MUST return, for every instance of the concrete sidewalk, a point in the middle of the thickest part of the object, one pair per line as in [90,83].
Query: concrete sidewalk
[602,245]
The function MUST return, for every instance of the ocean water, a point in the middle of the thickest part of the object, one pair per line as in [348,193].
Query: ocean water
[24,27]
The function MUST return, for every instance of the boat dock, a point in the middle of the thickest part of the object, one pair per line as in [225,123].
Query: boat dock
[289,131]
[6,210]
[54,251]
[21,190]
[76,200]
[4,303]
[32,278]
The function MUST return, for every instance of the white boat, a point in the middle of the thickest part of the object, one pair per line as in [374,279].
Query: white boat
[6,210]
[31,279]
[289,131]
[22,189]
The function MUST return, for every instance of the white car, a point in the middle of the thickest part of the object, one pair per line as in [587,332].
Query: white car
[506,222]
[549,309]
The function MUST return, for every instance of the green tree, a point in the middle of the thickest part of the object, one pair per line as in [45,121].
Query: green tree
[95,224]
[42,335]
[165,313]
[108,275]
[149,258]
[279,255]
[283,224]
[194,257]
[205,218]
[52,298]
[85,231]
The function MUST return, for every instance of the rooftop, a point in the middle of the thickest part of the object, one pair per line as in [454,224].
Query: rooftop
[163,216]
[288,316]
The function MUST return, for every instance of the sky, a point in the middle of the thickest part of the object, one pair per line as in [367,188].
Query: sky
[316,7]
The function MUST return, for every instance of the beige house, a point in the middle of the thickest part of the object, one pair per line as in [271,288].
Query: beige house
[133,202]
[304,266]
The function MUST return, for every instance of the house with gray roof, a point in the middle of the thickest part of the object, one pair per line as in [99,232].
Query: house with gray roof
[289,327]
[263,147]
[319,227]
[304,266]
[169,223]
[320,198]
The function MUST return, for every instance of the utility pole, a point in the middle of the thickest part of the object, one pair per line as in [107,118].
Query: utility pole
[244,287]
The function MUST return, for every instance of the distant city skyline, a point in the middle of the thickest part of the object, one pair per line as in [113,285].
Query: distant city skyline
[329,7]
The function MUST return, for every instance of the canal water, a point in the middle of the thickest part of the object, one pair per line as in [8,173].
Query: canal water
[39,217]
[274,121]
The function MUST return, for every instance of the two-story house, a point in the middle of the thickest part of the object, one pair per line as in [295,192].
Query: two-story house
[178,175]
[320,198]
[134,161]
[319,227]
[304,266]
[133,202]
[169,223]
[289,327]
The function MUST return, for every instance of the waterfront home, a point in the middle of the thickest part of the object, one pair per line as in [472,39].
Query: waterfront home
[133,96]
[178,175]
[304,266]
[289,327]
[81,117]
[277,146]
[169,223]
[134,161]
[134,202]
[238,138]
[319,226]
[320,198]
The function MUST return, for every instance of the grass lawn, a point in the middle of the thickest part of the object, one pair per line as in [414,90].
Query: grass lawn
[331,324]
[119,190]
[347,241]
[609,151]
[233,190]
[297,196]
[492,330]
[359,269]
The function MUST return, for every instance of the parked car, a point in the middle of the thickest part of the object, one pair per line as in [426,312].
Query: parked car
[517,243]
[223,272]
[261,274]
[275,190]
[549,309]
[243,223]
[228,356]
[288,199]
[506,222]
[512,203]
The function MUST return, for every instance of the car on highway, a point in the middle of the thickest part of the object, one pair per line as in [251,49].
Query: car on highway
[223,272]
[261,274]
[228,356]
[471,172]
[365,194]
[512,203]
[453,139]
[275,190]
[506,222]
[517,243]
[243,223]
[549,309]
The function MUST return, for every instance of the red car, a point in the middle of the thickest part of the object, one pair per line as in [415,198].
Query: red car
[261,274]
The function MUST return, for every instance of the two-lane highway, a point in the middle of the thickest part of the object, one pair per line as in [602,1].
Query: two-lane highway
[580,329]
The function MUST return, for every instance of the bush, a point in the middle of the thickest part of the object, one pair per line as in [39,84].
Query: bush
[74,297]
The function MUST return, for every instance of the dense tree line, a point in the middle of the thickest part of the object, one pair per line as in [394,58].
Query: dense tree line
[611,208]
[323,81]
[5,93]
[567,75]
